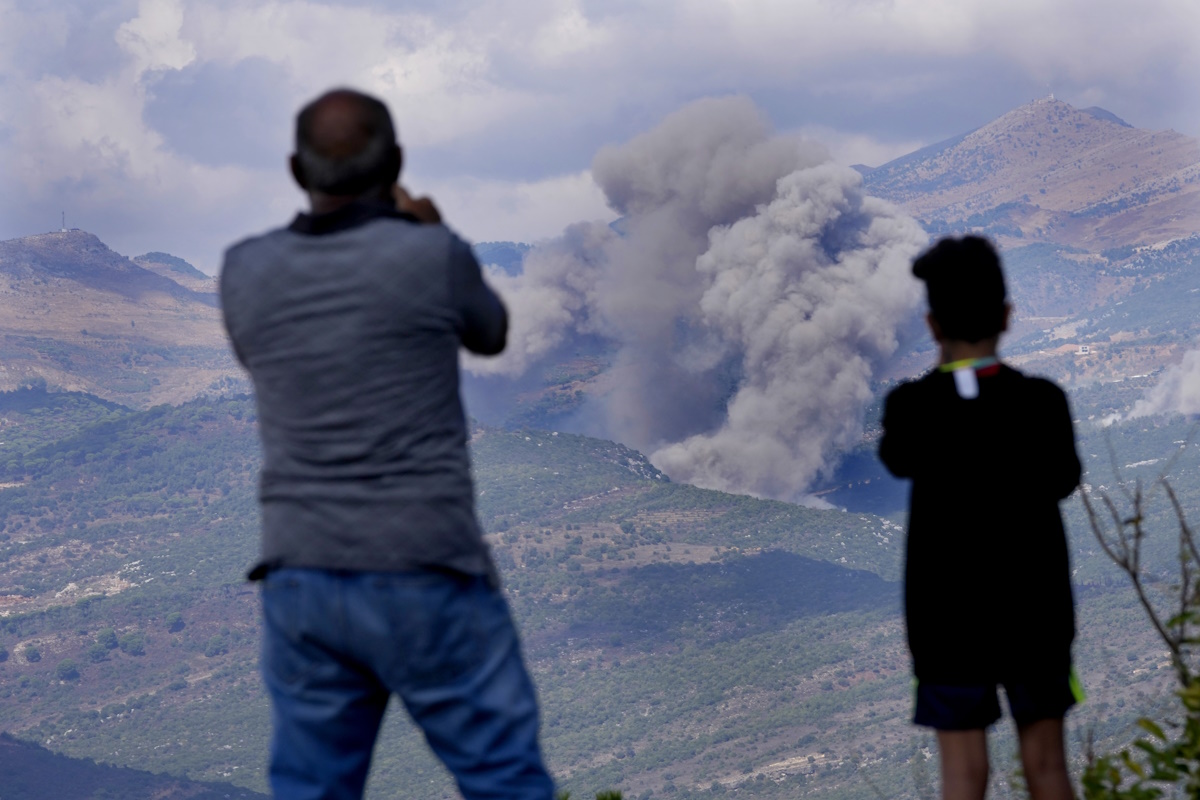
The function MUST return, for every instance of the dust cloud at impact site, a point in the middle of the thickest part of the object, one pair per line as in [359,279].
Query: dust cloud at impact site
[751,290]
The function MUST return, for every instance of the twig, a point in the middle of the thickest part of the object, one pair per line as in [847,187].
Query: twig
[1185,531]
[1126,553]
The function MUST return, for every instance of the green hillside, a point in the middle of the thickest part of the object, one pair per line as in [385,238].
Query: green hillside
[685,642]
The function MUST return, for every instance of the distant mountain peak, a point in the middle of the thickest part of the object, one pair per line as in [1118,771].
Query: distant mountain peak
[177,270]
[1104,114]
[1047,171]
[68,237]
[1049,113]
[171,263]
[79,317]
[81,257]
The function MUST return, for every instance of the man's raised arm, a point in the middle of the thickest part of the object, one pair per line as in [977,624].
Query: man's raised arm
[483,318]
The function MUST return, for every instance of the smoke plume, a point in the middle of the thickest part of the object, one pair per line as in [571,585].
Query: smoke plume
[1177,391]
[752,291]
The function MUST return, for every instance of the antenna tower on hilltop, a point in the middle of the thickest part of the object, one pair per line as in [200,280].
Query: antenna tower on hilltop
[64,223]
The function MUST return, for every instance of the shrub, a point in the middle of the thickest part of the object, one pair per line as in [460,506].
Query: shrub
[107,638]
[32,654]
[216,646]
[133,644]
[67,670]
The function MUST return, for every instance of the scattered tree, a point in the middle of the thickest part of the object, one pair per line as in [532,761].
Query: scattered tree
[67,670]
[107,638]
[133,644]
[217,645]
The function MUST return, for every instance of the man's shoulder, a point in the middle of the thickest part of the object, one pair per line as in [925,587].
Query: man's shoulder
[392,240]
[436,238]
[244,250]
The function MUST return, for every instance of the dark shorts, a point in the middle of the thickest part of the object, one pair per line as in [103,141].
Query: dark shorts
[974,706]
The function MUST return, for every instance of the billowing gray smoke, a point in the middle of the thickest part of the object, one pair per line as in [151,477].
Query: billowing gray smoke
[752,292]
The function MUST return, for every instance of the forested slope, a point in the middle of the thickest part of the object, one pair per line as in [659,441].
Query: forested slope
[684,641]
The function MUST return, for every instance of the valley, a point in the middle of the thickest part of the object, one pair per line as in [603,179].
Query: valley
[685,642]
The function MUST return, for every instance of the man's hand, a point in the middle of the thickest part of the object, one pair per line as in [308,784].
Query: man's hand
[421,207]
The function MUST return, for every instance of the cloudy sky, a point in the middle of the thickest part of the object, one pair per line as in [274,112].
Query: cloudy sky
[164,124]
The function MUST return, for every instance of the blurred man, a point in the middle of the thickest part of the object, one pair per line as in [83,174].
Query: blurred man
[376,579]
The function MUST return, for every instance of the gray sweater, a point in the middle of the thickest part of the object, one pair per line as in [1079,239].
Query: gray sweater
[350,324]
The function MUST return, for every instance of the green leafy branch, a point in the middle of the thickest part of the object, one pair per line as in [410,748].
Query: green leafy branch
[1160,761]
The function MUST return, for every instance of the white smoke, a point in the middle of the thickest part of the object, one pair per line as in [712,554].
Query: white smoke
[752,293]
[1177,391]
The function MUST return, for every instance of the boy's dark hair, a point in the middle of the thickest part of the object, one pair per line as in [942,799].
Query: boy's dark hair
[965,286]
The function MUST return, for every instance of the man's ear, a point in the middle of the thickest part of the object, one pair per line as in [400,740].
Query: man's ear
[298,171]
[934,328]
[1007,316]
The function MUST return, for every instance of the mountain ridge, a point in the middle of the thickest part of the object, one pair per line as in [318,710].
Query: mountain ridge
[179,271]
[685,642]
[80,317]
[1047,171]
[81,257]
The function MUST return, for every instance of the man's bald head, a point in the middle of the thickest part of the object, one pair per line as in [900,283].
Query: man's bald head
[345,145]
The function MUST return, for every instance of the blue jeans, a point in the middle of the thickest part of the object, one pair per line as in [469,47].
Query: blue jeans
[336,645]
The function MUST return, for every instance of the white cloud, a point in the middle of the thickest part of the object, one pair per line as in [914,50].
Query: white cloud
[568,33]
[152,37]
[501,104]
[519,211]
[438,79]
[857,148]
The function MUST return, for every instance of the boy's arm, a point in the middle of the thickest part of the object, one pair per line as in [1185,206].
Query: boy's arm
[899,449]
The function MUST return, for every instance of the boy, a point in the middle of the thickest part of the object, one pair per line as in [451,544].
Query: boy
[987,585]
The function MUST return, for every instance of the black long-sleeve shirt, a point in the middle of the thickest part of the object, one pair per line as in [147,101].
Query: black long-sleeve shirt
[987,579]
[350,324]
